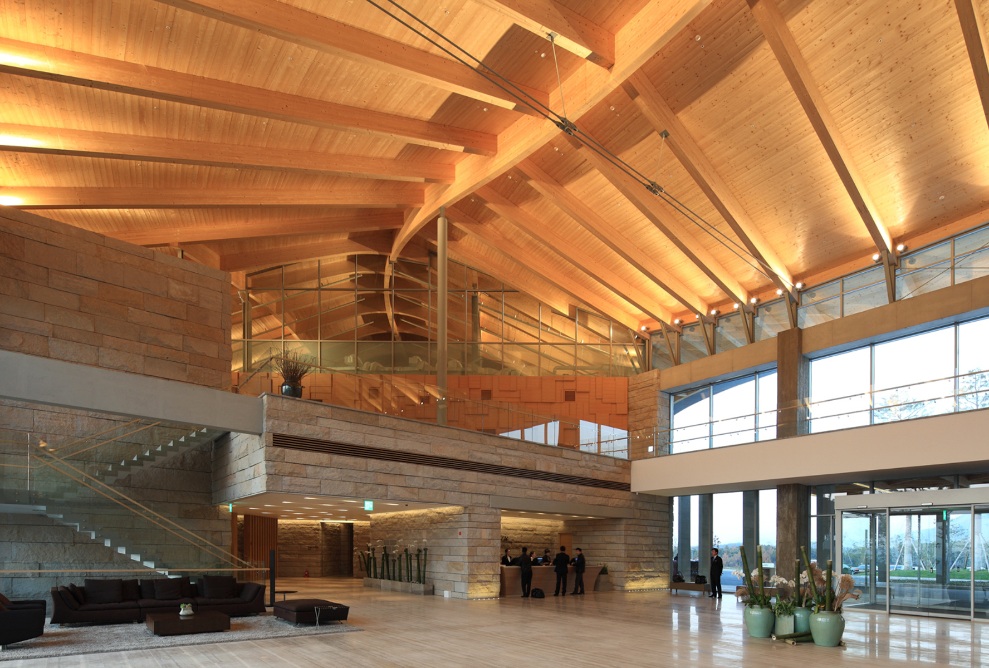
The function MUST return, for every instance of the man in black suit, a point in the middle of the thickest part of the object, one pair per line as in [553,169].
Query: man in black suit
[525,564]
[506,559]
[561,562]
[717,566]
[578,572]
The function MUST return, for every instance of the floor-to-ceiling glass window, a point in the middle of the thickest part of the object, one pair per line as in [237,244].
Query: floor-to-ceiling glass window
[863,549]
[731,412]
[980,561]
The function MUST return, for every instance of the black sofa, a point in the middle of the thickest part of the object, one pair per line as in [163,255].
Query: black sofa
[116,601]
[20,620]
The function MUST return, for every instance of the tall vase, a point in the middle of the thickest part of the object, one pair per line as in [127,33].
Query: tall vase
[784,625]
[826,628]
[759,621]
[289,390]
[801,620]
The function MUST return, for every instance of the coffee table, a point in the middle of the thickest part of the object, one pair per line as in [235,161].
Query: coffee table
[171,624]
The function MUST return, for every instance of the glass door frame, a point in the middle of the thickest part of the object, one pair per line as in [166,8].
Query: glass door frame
[948,500]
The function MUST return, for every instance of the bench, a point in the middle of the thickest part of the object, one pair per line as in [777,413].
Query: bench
[687,586]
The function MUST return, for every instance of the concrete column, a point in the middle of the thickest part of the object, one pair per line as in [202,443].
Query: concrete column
[825,522]
[792,384]
[705,533]
[442,350]
[792,527]
[683,536]
[750,524]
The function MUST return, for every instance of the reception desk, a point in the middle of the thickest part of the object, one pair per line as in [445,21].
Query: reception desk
[543,577]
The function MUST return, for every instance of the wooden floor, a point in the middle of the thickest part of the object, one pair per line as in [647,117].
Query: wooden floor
[600,629]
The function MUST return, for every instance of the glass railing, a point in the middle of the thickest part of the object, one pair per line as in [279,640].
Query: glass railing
[412,397]
[107,489]
[939,396]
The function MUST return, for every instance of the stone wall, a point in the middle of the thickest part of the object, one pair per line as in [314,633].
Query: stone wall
[362,538]
[535,534]
[466,516]
[319,548]
[77,296]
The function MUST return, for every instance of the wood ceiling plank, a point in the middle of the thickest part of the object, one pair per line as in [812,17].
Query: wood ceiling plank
[572,31]
[384,196]
[292,24]
[975,41]
[266,257]
[773,26]
[35,139]
[645,34]
[651,104]
[43,62]
[562,244]
[605,232]
[650,206]
[372,220]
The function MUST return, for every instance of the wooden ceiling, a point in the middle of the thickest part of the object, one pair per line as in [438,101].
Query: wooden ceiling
[787,140]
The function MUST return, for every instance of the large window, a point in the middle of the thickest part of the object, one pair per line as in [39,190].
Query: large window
[936,372]
[741,410]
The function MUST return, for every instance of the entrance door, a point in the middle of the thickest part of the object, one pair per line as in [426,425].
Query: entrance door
[863,556]
[928,548]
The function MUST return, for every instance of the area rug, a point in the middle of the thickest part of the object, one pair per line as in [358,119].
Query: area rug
[72,640]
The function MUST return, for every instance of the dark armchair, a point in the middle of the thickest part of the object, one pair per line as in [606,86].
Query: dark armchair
[20,620]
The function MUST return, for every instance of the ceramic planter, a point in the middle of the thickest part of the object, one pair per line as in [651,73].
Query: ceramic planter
[784,625]
[801,620]
[826,628]
[759,621]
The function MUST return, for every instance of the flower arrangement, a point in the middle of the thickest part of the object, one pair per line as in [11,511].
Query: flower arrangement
[824,594]
[757,597]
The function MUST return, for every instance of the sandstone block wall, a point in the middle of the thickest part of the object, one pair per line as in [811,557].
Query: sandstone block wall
[77,296]
[466,519]
[535,534]
[321,548]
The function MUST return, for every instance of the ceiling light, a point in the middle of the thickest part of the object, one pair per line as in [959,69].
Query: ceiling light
[754,300]
[900,248]
[876,257]
[16,140]
[735,306]
[714,311]
[779,292]
[798,285]
[644,328]
[677,321]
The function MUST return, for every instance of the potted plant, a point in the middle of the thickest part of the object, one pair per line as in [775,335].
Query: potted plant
[826,622]
[759,616]
[293,367]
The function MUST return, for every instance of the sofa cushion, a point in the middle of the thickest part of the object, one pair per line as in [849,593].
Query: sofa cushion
[168,589]
[130,590]
[104,591]
[218,586]
[147,588]
[76,593]
[4,600]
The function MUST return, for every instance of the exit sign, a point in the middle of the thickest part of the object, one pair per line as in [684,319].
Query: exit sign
[368,504]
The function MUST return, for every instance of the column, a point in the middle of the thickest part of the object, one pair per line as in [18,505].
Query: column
[705,533]
[792,384]
[750,524]
[825,522]
[683,536]
[441,308]
[792,527]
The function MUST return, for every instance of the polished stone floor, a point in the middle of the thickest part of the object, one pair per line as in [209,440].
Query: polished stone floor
[599,629]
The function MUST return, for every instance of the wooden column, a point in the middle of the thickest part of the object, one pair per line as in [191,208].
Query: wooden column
[792,384]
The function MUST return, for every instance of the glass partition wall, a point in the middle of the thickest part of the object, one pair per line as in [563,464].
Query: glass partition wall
[338,313]
[929,557]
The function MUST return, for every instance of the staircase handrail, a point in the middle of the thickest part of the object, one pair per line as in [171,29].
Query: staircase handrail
[155,518]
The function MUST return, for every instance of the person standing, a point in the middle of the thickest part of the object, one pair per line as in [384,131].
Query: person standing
[506,559]
[525,564]
[717,566]
[561,563]
[579,564]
